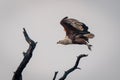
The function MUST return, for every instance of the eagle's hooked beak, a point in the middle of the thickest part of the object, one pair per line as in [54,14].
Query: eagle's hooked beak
[59,42]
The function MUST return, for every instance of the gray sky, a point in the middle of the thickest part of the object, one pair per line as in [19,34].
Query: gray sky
[41,19]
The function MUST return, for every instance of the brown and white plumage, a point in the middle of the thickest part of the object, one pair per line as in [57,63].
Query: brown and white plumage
[76,32]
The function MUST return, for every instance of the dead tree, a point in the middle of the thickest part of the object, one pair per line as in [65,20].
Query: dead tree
[71,69]
[27,56]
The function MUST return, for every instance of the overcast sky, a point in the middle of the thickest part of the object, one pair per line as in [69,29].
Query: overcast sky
[41,19]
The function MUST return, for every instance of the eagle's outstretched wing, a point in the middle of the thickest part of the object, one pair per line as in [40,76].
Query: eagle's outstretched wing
[69,29]
[76,24]
[73,27]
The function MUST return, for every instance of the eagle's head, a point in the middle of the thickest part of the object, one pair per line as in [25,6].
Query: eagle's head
[65,41]
[60,42]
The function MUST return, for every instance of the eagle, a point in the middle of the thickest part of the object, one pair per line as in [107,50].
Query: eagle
[76,32]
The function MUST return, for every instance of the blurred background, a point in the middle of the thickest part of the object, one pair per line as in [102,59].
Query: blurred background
[41,18]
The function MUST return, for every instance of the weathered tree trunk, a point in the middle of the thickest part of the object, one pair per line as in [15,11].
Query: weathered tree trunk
[27,56]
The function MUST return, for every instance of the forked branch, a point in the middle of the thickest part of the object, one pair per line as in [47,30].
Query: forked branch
[27,56]
[73,68]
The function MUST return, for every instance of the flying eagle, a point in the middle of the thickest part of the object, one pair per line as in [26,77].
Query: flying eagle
[76,32]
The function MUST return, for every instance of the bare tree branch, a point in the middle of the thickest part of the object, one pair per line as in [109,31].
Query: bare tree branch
[74,67]
[27,56]
[55,75]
